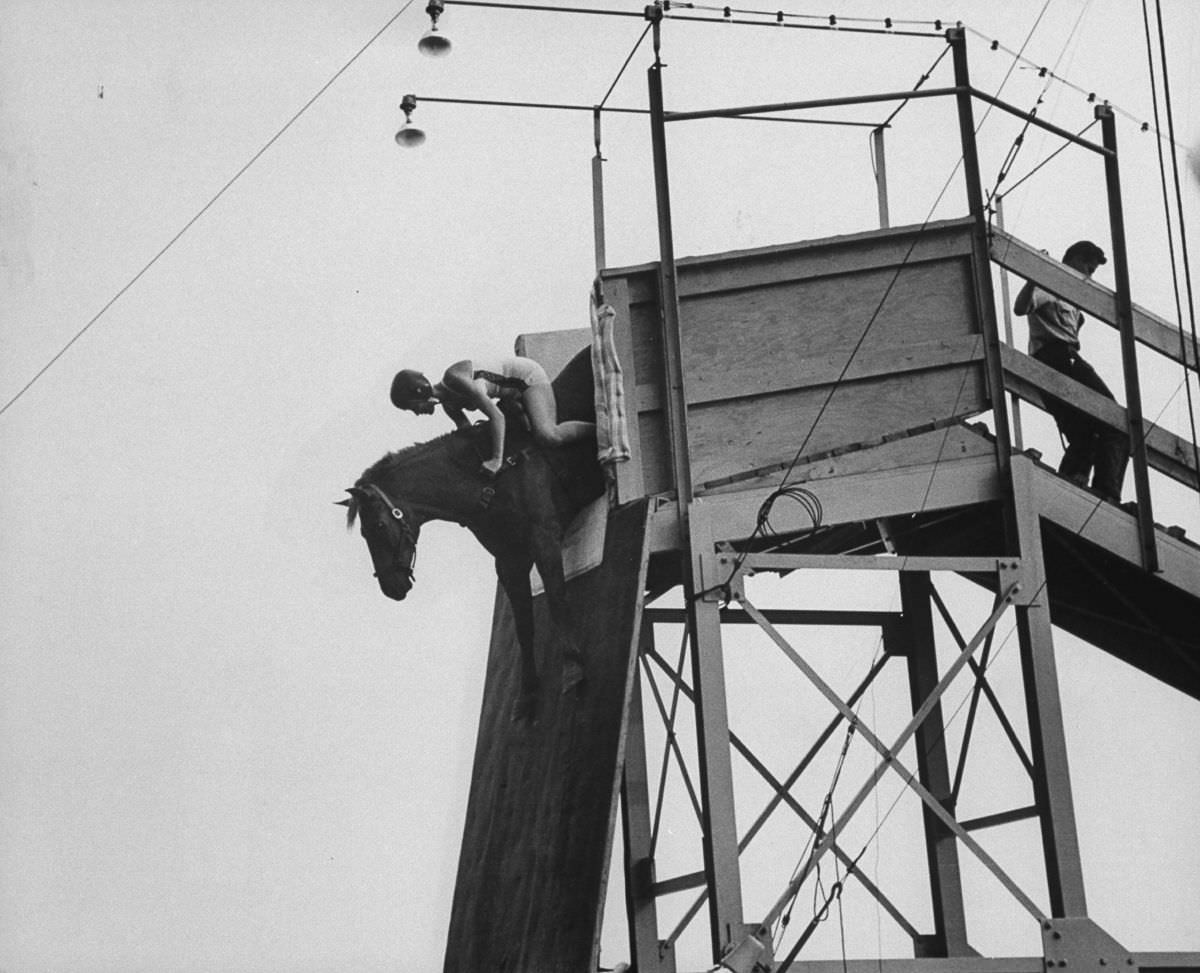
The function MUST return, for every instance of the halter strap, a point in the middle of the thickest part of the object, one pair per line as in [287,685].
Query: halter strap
[398,514]
[501,381]
[393,507]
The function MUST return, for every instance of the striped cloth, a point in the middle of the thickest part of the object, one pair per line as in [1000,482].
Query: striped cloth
[612,430]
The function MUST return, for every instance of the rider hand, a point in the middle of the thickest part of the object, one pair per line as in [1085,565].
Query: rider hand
[491,467]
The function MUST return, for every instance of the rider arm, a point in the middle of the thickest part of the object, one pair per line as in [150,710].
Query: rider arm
[456,415]
[461,382]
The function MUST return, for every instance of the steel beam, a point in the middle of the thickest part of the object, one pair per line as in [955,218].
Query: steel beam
[881,188]
[782,796]
[891,760]
[640,904]
[981,269]
[1133,392]
[1047,736]
[704,624]
[716,769]
[598,197]
[945,878]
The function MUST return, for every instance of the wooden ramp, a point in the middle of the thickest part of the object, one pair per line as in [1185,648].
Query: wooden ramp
[540,816]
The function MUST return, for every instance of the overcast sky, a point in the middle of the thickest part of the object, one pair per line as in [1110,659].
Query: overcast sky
[221,747]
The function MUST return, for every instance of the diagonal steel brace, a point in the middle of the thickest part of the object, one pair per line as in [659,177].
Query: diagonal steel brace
[890,759]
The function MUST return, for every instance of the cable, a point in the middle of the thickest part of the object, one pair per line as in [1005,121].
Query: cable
[1187,273]
[1162,175]
[995,45]
[830,22]
[818,830]
[1053,155]
[920,81]
[204,209]
[888,21]
[604,100]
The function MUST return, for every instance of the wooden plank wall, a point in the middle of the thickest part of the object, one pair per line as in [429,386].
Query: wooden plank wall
[809,347]
[541,811]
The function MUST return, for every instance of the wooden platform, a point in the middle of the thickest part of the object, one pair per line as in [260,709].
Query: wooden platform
[540,816]
[812,345]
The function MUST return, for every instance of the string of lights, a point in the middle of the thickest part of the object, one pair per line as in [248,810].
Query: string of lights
[1092,96]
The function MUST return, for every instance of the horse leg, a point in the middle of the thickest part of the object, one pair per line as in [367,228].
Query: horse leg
[514,579]
[547,555]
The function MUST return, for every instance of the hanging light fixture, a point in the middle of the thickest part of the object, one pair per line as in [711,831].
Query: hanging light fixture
[434,44]
[409,136]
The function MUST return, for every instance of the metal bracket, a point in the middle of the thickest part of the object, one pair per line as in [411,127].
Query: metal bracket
[1078,943]
[720,577]
[749,952]
[1010,575]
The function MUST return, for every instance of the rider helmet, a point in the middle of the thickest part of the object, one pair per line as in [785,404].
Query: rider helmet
[410,387]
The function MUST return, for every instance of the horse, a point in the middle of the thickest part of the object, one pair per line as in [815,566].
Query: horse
[519,517]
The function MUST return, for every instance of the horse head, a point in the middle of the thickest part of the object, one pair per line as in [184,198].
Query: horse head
[391,534]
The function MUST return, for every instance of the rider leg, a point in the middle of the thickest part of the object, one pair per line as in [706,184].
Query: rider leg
[543,419]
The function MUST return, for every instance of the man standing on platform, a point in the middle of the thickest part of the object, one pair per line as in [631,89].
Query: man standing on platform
[1092,447]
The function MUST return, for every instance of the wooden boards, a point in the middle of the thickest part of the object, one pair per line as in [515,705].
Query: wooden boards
[803,347]
[536,843]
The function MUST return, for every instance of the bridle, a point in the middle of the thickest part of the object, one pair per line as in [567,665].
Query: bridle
[406,567]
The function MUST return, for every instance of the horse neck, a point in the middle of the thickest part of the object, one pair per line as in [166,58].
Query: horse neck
[434,489]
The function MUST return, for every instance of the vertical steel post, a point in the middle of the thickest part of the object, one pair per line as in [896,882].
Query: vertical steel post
[933,769]
[881,189]
[982,273]
[721,867]
[598,195]
[1133,393]
[646,951]
[1006,303]
[668,296]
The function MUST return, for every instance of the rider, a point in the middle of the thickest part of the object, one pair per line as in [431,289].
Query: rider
[478,384]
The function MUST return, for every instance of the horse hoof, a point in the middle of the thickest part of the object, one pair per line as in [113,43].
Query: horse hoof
[573,676]
[524,709]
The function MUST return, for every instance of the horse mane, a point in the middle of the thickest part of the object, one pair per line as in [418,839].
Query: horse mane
[382,470]
[409,454]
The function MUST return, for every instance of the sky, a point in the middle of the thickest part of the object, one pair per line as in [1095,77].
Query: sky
[222,748]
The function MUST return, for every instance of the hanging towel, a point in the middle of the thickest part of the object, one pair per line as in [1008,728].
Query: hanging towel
[612,431]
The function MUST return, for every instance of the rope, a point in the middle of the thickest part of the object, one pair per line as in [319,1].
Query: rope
[204,209]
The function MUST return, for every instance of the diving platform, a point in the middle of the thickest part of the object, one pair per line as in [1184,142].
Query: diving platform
[864,373]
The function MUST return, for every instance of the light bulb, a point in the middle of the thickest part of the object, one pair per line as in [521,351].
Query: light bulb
[434,43]
[409,137]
